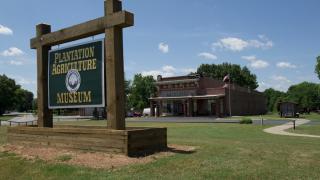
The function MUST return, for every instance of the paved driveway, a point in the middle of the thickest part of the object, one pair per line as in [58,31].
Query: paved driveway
[181,120]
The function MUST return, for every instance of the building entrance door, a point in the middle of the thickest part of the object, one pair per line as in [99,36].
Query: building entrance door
[177,108]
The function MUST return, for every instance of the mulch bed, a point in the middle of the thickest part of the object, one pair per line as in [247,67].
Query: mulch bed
[97,160]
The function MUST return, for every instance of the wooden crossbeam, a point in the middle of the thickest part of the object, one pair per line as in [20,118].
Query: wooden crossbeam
[90,28]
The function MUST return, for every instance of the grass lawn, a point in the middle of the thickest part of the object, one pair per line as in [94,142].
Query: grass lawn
[311,116]
[6,118]
[307,129]
[225,151]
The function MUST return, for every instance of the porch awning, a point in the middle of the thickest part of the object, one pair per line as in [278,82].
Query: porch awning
[215,96]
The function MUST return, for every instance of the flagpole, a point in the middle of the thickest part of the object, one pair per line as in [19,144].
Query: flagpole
[230,96]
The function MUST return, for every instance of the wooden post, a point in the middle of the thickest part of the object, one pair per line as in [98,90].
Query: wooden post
[185,108]
[44,114]
[114,70]
[152,106]
[190,106]
[158,109]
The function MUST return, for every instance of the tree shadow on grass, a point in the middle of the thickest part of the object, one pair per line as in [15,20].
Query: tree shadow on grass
[172,148]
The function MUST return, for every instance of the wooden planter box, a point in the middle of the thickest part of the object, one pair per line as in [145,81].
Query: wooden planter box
[130,142]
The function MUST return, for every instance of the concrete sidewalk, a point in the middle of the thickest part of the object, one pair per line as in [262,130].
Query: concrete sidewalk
[280,130]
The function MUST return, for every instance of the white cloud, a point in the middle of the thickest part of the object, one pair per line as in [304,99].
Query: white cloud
[168,71]
[238,44]
[188,70]
[164,48]
[277,86]
[13,51]
[280,79]
[286,65]
[5,30]
[16,62]
[207,55]
[255,62]
[231,43]
[263,42]
[22,80]
[153,73]
[278,82]
[263,86]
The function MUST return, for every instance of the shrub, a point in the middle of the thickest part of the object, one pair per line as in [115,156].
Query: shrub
[246,121]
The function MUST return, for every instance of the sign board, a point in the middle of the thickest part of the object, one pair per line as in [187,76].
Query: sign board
[76,76]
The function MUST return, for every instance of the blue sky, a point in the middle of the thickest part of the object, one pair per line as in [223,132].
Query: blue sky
[277,40]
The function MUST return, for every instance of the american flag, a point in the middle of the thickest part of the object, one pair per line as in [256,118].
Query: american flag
[226,78]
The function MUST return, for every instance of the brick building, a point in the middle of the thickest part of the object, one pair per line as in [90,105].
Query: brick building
[195,95]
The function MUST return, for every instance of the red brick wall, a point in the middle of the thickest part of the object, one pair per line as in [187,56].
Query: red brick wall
[245,102]
[206,82]
[213,91]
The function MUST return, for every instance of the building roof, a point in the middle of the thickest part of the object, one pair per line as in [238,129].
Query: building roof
[176,81]
[188,97]
[194,76]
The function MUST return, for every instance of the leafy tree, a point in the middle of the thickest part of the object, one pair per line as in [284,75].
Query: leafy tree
[23,100]
[238,75]
[8,88]
[306,94]
[317,69]
[273,98]
[35,104]
[127,91]
[142,88]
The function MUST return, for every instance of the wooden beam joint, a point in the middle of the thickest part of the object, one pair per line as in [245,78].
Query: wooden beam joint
[121,19]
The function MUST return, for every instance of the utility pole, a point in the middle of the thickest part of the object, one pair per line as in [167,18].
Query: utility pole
[230,112]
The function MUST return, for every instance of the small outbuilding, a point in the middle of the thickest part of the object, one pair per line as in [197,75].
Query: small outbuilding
[288,109]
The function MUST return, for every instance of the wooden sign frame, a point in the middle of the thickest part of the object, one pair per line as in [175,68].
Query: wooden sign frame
[111,24]
[116,138]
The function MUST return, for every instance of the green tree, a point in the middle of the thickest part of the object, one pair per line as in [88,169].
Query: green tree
[23,100]
[306,94]
[317,69]
[8,88]
[273,98]
[238,75]
[127,91]
[35,104]
[142,89]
